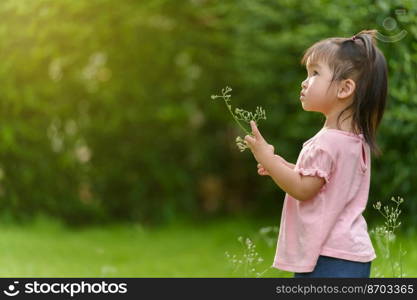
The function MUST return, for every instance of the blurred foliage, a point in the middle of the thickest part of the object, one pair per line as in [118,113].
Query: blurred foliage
[106,112]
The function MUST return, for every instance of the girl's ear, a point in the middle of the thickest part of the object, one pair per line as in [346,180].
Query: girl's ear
[346,88]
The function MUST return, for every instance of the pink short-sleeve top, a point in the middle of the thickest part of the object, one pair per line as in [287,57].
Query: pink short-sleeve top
[330,223]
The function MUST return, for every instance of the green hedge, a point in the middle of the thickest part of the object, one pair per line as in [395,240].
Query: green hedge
[106,112]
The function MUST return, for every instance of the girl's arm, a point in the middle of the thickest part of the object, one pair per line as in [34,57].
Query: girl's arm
[288,164]
[298,186]
[263,172]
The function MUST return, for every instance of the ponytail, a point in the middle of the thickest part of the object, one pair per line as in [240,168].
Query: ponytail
[371,90]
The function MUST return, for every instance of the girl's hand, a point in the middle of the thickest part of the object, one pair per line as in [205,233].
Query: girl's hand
[257,144]
[262,171]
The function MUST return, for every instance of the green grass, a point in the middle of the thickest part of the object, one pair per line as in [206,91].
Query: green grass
[47,249]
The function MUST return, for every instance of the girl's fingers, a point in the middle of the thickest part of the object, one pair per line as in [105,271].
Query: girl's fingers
[262,171]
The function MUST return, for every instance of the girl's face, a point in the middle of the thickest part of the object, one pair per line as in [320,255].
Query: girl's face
[317,94]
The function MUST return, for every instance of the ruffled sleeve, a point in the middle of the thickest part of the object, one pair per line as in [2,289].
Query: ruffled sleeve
[316,161]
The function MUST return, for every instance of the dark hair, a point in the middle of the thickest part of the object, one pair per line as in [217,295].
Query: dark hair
[360,59]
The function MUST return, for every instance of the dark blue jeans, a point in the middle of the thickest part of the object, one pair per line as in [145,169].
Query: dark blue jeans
[335,267]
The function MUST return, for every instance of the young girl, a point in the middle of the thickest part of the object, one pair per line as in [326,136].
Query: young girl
[322,231]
